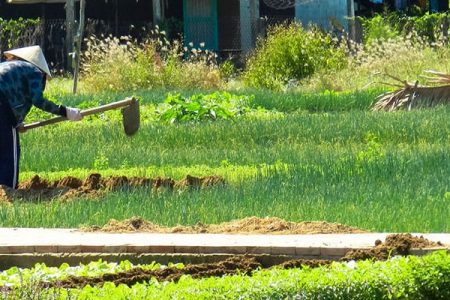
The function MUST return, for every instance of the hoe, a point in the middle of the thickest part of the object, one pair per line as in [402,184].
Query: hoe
[130,113]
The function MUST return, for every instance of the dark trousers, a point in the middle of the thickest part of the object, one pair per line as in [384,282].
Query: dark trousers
[9,150]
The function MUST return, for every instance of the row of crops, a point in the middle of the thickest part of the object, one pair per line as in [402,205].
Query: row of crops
[398,278]
[331,159]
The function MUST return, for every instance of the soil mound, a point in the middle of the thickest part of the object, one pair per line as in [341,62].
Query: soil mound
[94,186]
[249,225]
[395,244]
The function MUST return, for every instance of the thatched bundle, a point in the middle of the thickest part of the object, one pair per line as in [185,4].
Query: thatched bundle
[415,96]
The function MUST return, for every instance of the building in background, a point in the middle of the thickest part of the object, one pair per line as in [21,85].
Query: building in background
[230,27]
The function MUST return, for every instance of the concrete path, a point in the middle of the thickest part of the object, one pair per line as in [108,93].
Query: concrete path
[24,247]
[37,241]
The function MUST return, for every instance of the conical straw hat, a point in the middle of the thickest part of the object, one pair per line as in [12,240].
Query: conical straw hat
[32,54]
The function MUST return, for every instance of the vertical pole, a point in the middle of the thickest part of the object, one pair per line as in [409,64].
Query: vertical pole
[43,17]
[79,40]
[351,19]
[157,11]
[70,23]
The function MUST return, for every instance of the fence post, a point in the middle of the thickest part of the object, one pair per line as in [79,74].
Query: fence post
[70,24]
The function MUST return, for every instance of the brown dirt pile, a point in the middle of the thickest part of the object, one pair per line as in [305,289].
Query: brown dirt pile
[249,225]
[395,244]
[94,186]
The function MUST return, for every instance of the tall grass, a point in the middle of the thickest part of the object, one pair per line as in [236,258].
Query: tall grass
[378,171]
[122,64]
[396,194]
[406,58]
[243,141]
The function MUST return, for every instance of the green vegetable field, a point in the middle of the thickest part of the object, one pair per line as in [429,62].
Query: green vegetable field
[286,132]
[373,170]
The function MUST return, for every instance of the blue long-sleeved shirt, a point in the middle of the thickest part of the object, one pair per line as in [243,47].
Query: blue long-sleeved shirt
[21,87]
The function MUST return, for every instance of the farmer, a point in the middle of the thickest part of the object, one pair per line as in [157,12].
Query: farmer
[23,75]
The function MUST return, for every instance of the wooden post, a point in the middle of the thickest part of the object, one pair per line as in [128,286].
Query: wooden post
[79,40]
[70,24]
[351,19]
[43,17]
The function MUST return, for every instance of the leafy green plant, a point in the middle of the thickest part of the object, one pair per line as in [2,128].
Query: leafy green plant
[373,149]
[218,105]
[377,28]
[101,162]
[291,53]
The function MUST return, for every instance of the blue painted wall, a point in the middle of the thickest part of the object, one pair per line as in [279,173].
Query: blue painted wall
[200,23]
[323,12]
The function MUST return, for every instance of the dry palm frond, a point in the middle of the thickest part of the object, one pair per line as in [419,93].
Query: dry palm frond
[437,77]
[415,96]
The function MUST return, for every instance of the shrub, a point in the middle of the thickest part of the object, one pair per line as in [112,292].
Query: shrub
[403,49]
[290,53]
[20,32]
[377,28]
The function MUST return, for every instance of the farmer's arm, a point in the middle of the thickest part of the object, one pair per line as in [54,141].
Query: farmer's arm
[36,87]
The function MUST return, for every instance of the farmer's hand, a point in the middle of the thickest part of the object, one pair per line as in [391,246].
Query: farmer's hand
[73,114]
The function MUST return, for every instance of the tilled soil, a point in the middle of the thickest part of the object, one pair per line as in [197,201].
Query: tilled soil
[95,186]
[397,244]
[251,225]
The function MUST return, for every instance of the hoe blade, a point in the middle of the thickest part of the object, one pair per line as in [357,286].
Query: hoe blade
[131,117]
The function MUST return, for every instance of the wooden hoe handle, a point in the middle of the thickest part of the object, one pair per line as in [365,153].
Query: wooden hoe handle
[87,112]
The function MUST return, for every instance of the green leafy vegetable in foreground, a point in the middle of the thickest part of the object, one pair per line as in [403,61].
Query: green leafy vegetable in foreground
[410,277]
